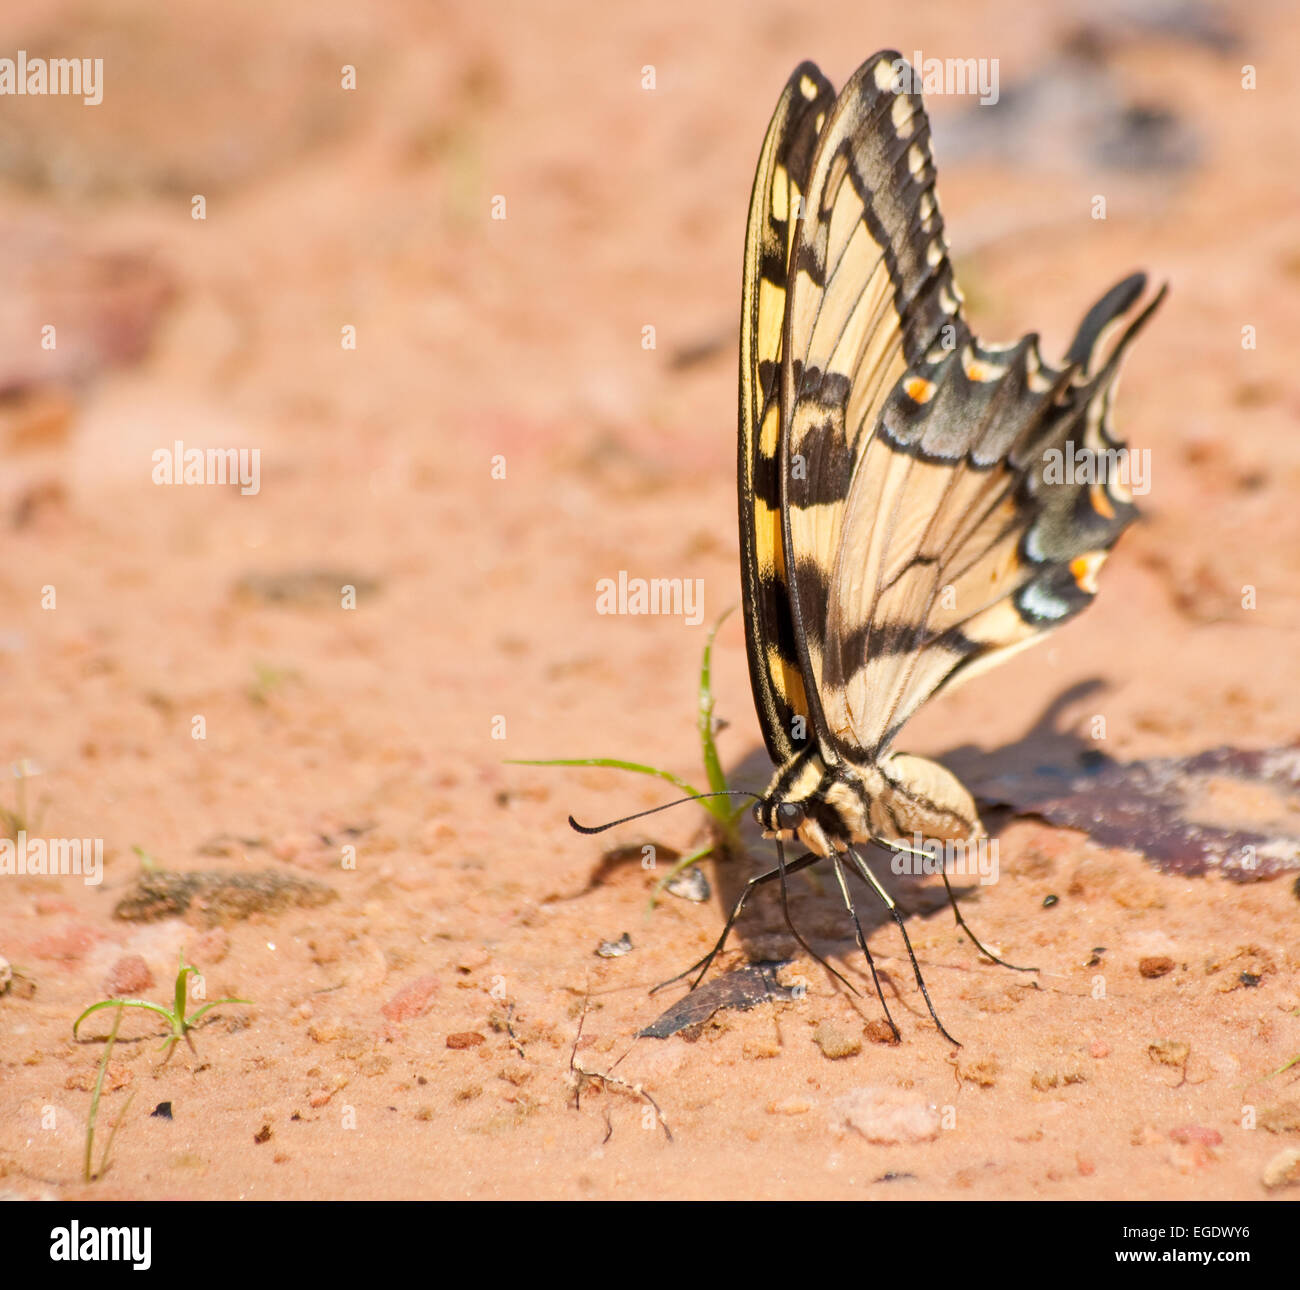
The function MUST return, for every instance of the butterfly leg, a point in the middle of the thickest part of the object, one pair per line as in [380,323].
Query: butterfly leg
[872,881]
[782,869]
[862,942]
[961,922]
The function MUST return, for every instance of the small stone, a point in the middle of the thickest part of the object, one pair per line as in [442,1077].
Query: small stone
[262,1135]
[836,1043]
[1283,1118]
[163,1111]
[615,949]
[982,1071]
[1155,965]
[212,947]
[465,1039]
[690,884]
[130,975]
[411,1000]
[888,1115]
[879,1031]
[1196,1133]
[1283,1170]
[71,944]
[1169,1052]
[790,1106]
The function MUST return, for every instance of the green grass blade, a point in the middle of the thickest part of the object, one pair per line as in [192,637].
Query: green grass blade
[99,1084]
[120,1003]
[182,987]
[117,1124]
[613,764]
[704,721]
[193,1018]
[1286,1067]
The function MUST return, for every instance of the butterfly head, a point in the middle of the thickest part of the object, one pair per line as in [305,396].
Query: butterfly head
[778,818]
[813,804]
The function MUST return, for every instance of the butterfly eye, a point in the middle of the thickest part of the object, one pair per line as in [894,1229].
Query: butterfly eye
[789,815]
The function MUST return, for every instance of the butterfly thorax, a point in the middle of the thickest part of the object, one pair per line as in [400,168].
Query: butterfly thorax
[829,804]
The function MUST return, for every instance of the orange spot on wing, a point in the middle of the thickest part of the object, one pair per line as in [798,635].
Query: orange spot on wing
[1101,502]
[1085,568]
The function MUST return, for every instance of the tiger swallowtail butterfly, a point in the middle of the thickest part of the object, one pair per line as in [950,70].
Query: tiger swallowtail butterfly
[902,526]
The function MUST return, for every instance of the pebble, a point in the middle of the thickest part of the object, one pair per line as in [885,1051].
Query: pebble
[1196,1133]
[1282,1118]
[888,1115]
[836,1043]
[690,884]
[1155,965]
[1169,1052]
[790,1106]
[411,1000]
[1283,1170]
[130,975]
[465,1039]
[212,947]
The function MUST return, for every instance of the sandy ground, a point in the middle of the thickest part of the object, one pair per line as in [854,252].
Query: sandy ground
[417,1035]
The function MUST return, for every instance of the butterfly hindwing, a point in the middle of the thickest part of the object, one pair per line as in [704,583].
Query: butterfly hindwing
[978,519]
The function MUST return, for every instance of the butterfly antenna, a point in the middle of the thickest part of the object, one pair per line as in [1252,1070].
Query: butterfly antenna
[698,797]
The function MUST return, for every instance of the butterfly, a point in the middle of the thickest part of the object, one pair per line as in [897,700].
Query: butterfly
[905,518]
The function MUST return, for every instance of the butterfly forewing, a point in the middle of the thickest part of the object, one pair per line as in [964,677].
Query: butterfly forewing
[775,206]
